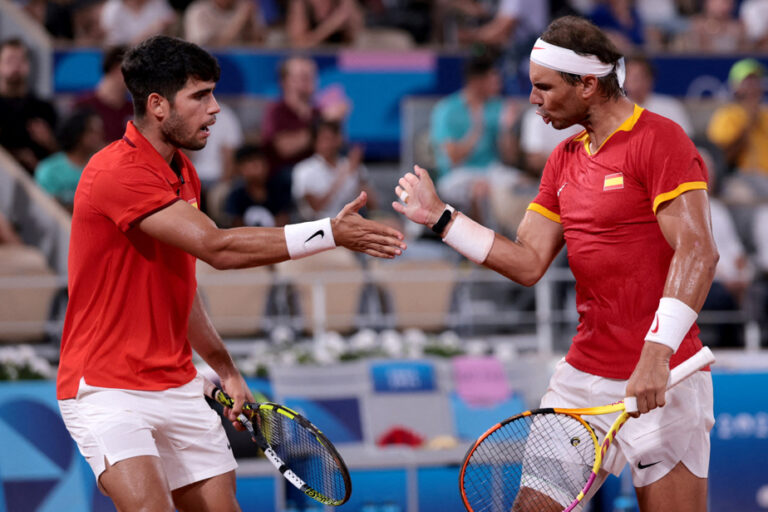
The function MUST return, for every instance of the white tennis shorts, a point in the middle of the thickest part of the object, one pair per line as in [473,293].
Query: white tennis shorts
[176,425]
[657,441]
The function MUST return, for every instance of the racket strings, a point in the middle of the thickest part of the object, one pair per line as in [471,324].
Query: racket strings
[303,452]
[530,464]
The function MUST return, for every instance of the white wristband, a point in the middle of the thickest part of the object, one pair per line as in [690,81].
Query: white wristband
[309,238]
[470,238]
[672,321]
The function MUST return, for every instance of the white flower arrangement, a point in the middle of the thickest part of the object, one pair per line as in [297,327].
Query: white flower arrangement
[20,362]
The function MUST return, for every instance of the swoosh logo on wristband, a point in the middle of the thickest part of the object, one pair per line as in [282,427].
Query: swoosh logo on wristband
[655,330]
[319,232]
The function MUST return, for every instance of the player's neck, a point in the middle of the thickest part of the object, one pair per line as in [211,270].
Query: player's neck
[153,134]
[605,118]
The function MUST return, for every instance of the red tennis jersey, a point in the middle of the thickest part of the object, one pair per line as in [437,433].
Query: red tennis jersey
[606,203]
[129,294]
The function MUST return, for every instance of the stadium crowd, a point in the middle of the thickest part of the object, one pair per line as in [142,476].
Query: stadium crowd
[489,146]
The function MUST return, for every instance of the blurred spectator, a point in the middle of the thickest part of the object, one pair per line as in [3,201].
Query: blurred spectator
[110,98]
[8,235]
[217,23]
[639,84]
[471,133]
[286,129]
[715,30]
[326,181]
[26,121]
[538,139]
[754,16]
[250,202]
[514,22]
[621,23]
[131,21]
[414,17]
[740,129]
[760,239]
[662,21]
[216,161]
[311,23]
[80,136]
[69,21]
[734,271]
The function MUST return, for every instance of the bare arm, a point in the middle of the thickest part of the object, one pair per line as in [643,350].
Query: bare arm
[686,225]
[523,260]
[207,343]
[494,33]
[183,226]
[346,14]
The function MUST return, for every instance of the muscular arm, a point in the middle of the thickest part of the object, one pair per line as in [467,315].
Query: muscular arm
[208,344]
[523,260]
[183,226]
[686,225]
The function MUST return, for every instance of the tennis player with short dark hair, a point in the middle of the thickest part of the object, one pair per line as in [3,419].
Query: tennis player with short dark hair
[628,197]
[128,391]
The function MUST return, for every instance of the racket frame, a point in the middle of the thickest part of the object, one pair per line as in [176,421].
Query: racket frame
[246,418]
[626,407]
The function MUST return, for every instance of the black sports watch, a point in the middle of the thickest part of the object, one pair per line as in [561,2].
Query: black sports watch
[444,219]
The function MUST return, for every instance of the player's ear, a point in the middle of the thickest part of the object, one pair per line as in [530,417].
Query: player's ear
[157,106]
[590,86]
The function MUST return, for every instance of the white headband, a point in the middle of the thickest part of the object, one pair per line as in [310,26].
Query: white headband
[568,61]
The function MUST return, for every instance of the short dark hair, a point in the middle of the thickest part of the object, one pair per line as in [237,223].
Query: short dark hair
[585,38]
[14,42]
[113,58]
[479,65]
[162,65]
[248,152]
[71,130]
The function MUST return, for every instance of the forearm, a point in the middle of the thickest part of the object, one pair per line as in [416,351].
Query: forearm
[690,275]
[206,341]
[244,247]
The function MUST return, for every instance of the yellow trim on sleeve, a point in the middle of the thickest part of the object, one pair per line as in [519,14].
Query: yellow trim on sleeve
[685,187]
[545,212]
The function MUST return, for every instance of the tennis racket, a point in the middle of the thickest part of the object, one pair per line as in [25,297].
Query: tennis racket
[546,459]
[299,451]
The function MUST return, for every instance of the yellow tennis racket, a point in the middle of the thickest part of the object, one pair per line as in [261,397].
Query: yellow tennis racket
[546,460]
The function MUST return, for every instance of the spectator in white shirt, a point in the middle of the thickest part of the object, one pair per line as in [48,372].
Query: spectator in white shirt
[326,181]
[132,21]
[639,86]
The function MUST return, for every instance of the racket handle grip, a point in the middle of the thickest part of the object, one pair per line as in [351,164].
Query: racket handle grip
[679,373]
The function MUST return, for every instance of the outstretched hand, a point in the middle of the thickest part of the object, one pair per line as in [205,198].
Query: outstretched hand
[420,202]
[352,231]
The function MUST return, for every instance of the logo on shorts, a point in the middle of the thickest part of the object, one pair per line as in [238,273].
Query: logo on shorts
[640,465]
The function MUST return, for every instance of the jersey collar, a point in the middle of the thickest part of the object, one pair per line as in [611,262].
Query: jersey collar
[626,126]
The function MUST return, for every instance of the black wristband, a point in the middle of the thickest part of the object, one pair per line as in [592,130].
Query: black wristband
[443,221]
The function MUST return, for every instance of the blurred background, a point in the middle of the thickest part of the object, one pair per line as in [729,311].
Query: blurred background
[402,363]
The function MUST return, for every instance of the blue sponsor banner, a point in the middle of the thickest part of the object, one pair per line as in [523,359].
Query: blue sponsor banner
[403,377]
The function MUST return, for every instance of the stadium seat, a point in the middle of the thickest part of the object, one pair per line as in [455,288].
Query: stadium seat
[27,290]
[341,277]
[420,291]
[235,299]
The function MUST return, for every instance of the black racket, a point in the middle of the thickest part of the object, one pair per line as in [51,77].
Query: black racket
[302,454]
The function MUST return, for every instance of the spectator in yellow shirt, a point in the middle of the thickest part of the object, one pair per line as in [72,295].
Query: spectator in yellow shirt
[740,128]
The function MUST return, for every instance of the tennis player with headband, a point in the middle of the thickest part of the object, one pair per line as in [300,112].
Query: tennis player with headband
[628,197]
[128,391]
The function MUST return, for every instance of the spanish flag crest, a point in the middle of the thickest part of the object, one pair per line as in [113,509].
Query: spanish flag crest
[613,181]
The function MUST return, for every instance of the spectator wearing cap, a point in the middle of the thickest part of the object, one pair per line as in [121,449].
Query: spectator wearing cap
[740,128]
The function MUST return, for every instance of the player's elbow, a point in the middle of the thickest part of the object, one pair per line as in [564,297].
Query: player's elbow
[215,251]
